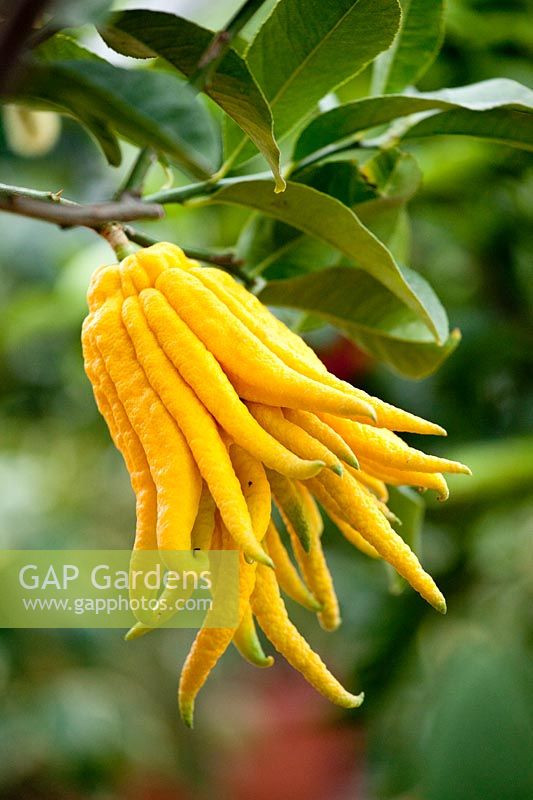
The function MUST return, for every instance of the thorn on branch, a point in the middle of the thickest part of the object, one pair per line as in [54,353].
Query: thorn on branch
[51,207]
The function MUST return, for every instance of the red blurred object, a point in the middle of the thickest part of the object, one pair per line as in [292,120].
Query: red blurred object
[297,763]
[344,359]
[294,748]
[146,786]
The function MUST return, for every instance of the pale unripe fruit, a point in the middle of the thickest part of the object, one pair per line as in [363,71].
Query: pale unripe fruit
[30,133]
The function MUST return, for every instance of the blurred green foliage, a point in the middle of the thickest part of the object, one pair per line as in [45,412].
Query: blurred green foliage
[449,708]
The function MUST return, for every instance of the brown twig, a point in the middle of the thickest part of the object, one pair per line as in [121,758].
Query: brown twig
[106,219]
[51,207]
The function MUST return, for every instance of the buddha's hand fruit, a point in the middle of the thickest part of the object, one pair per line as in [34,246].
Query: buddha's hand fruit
[223,415]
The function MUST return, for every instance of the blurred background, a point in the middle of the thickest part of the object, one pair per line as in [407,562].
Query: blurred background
[448,713]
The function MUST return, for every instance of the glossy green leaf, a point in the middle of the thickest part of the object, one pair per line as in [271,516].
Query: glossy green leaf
[372,316]
[399,236]
[397,178]
[275,250]
[145,34]
[100,130]
[332,222]
[414,49]
[510,127]
[346,180]
[385,179]
[414,360]
[147,107]
[306,48]
[376,189]
[478,98]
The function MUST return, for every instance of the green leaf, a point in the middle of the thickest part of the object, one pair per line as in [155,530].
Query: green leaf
[100,130]
[376,189]
[306,48]
[399,237]
[145,34]
[414,49]
[149,108]
[73,13]
[329,220]
[416,360]
[345,180]
[276,250]
[377,181]
[510,127]
[397,178]
[372,316]
[345,121]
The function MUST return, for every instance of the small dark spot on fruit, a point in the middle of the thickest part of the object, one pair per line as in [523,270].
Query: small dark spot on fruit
[250,483]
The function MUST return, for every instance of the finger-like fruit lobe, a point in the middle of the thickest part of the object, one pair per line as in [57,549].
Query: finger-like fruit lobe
[225,417]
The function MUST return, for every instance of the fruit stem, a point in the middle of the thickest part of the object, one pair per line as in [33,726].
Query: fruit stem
[117,239]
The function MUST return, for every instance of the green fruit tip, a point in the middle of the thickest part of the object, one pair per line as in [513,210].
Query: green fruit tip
[440,606]
[263,558]
[137,631]
[314,605]
[370,411]
[357,700]
[315,467]
[187,715]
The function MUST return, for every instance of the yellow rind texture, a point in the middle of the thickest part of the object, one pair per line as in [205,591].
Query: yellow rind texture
[287,575]
[272,616]
[222,414]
